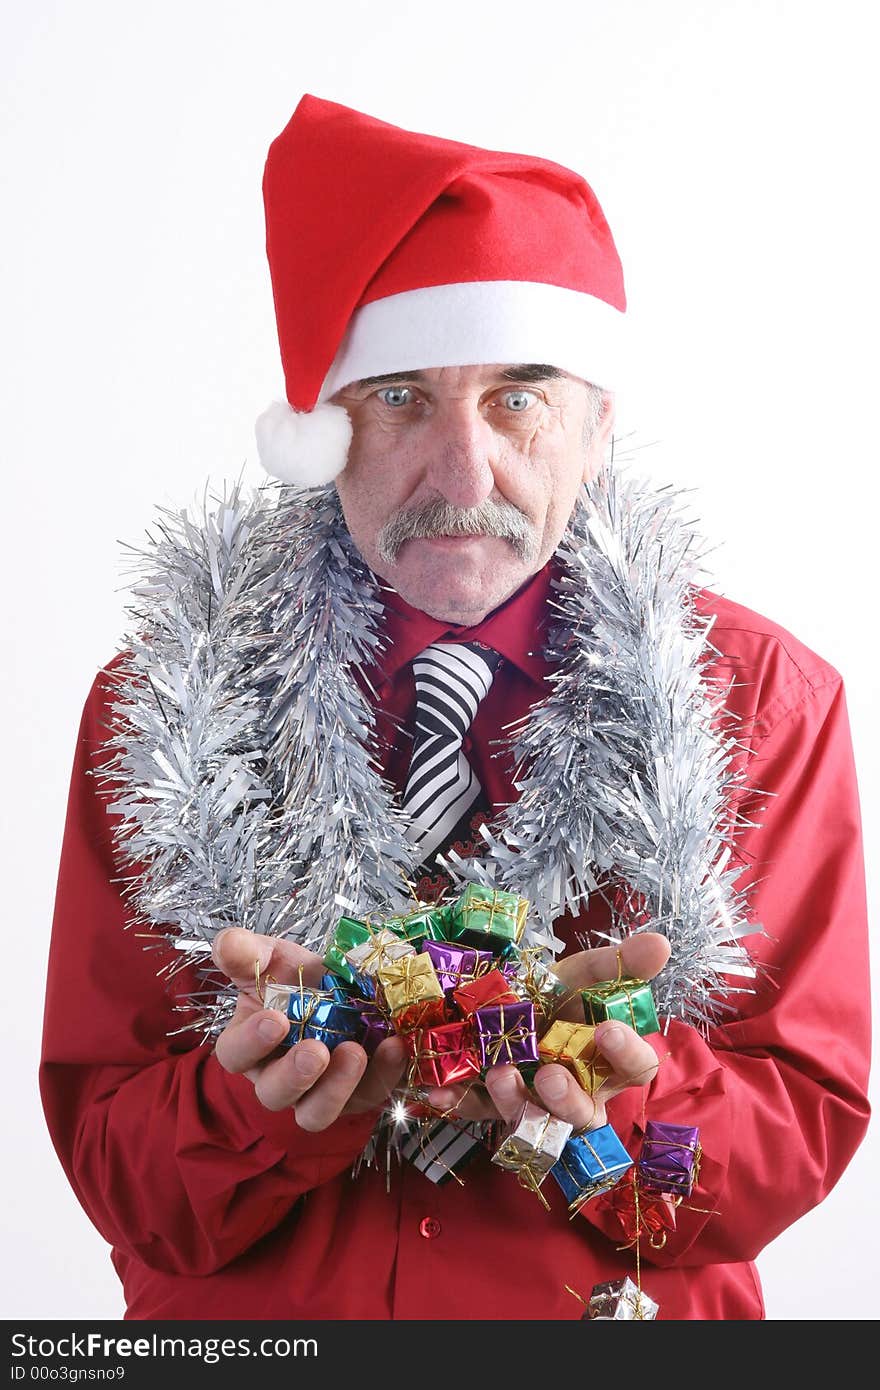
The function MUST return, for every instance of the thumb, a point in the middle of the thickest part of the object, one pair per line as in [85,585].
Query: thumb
[236,952]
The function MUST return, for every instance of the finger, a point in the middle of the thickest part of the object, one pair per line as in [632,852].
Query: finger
[384,1071]
[561,1094]
[632,1058]
[642,956]
[463,1102]
[325,1101]
[246,1042]
[281,1083]
[236,951]
[508,1091]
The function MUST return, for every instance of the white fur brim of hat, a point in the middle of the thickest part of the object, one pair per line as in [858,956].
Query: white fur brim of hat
[303,448]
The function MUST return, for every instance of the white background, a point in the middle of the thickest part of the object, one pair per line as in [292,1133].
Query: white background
[733,146]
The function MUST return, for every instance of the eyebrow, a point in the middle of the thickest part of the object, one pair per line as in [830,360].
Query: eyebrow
[527,371]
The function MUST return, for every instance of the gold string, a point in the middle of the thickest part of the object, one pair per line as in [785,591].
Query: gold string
[268,979]
[638,1249]
[527,1179]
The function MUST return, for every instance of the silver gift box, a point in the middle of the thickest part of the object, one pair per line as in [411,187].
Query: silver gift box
[537,1139]
[621,1298]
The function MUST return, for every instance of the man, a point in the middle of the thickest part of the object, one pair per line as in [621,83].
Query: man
[448,320]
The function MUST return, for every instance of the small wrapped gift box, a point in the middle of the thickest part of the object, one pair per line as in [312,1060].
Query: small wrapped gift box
[640,1213]
[491,988]
[424,923]
[313,1014]
[669,1160]
[590,1163]
[335,985]
[424,1013]
[506,1034]
[573,1045]
[532,1146]
[621,1298]
[457,965]
[488,917]
[628,1000]
[375,1028]
[350,932]
[411,992]
[443,1056]
[381,948]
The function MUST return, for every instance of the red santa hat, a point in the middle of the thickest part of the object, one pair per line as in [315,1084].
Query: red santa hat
[393,251]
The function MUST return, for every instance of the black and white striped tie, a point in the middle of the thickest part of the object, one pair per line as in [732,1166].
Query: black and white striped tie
[451,680]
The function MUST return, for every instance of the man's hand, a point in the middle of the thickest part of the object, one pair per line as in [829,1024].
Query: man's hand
[632,1058]
[318,1084]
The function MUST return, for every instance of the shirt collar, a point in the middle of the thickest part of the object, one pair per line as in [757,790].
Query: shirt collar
[516,629]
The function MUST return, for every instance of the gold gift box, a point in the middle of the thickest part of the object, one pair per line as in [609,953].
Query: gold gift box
[409,980]
[573,1045]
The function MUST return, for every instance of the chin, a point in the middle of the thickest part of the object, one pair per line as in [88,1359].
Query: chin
[455,583]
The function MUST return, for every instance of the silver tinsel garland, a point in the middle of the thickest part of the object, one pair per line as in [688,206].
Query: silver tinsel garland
[244,763]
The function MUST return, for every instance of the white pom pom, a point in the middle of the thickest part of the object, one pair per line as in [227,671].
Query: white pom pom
[305,448]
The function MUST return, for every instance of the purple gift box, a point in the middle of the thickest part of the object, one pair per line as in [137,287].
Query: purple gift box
[375,1028]
[670,1157]
[506,1033]
[457,965]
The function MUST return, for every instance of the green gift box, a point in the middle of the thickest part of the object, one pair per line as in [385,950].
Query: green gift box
[488,917]
[422,924]
[628,1000]
[349,933]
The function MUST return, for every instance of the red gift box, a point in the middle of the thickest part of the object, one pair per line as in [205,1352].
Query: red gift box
[424,1013]
[640,1213]
[493,988]
[443,1056]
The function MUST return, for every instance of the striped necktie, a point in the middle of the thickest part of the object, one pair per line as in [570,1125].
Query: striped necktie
[451,679]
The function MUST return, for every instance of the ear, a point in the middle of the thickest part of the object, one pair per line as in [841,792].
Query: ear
[600,438]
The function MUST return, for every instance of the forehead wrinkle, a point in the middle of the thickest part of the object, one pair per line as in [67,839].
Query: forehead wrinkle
[386,378]
[527,372]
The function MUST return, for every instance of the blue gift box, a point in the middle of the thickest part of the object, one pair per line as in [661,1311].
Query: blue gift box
[589,1164]
[336,986]
[314,1013]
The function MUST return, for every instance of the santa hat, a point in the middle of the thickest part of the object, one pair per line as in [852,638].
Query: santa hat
[393,251]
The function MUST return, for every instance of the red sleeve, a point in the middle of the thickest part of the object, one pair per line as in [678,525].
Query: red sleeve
[780,1094]
[173,1159]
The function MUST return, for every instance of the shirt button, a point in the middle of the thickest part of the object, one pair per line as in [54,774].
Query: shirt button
[429,1227]
[386,690]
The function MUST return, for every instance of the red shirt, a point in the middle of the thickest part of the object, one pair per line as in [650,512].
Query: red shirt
[216,1207]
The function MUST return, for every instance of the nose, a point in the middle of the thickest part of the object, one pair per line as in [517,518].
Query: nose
[462,455]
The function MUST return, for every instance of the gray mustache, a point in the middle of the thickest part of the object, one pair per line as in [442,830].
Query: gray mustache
[437,517]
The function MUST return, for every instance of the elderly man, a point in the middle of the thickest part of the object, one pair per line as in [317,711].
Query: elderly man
[449,321]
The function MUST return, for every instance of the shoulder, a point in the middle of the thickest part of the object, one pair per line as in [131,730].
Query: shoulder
[773,672]
[101,705]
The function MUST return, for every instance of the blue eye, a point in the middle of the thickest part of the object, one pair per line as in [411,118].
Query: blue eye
[519,401]
[394,396]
